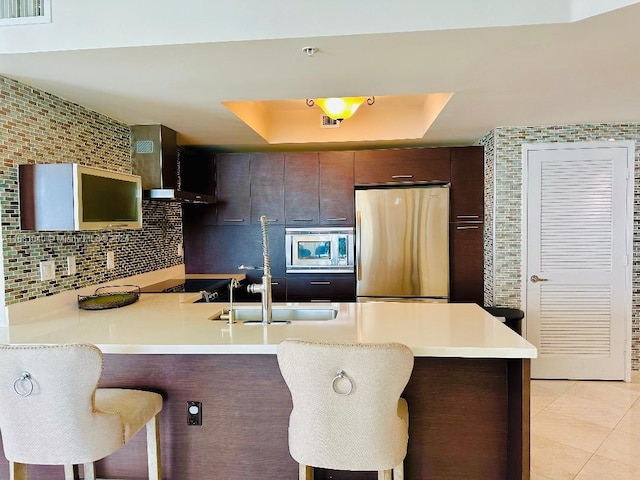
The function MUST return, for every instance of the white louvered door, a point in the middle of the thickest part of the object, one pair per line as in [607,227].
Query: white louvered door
[578,250]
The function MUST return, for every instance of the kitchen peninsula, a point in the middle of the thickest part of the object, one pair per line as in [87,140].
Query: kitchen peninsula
[468,395]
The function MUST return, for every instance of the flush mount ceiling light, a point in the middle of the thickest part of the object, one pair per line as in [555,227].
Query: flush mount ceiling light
[340,108]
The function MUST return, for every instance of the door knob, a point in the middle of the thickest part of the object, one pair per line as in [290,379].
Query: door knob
[536,279]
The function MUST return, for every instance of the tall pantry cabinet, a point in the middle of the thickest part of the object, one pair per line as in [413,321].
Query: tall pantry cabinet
[466,241]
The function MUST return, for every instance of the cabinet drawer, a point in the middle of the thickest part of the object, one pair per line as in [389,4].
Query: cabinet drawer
[321,289]
[402,165]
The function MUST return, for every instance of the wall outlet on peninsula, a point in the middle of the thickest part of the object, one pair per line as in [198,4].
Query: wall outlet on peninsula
[194,413]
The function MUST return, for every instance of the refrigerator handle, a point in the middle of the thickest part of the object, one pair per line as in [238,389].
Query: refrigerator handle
[358,242]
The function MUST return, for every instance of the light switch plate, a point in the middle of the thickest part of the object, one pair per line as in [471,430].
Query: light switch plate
[47,270]
[111,262]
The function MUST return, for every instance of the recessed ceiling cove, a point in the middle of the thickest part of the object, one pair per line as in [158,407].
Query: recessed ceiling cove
[392,117]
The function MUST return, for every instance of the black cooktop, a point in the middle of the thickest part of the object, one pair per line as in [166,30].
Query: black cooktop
[187,285]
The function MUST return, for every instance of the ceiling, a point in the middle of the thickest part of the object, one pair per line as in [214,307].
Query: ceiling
[502,62]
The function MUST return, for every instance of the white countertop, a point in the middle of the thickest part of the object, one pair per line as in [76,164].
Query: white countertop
[172,324]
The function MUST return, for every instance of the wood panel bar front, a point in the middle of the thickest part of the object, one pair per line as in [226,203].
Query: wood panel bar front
[468,419]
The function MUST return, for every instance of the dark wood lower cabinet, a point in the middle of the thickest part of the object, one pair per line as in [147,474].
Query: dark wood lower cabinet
[466,262]
[468,419]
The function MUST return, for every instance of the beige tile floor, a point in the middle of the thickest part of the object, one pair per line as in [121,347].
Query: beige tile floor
[585,430]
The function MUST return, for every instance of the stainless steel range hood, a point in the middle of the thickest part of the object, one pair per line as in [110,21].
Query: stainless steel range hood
[154,156]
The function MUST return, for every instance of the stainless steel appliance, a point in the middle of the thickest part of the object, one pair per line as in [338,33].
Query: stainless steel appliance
[319,250]
[154,157]
[402,243]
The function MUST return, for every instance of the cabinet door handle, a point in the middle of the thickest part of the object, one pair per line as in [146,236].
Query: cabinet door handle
[116,225]
[468,227]
[275,283]
[236,220]
[467,216]
[337,219]
[272,220]
[319,283]
[401,176]
[303,219]
[320,301]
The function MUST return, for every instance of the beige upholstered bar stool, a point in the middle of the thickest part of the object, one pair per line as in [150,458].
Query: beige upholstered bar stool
[52,413]
[347,411]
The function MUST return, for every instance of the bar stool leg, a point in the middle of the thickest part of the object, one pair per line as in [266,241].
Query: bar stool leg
[71,472]
[17,471]
[153,449]
[398,472]
[89,471]
[305,472]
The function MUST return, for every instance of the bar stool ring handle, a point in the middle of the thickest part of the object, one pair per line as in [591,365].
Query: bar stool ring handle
[334,383]
[23,385]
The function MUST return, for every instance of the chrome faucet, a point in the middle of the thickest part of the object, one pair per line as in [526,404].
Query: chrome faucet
[233,283]
[265,287]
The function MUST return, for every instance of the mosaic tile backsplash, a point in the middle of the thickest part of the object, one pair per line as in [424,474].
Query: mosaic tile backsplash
[40,128]
[503,147]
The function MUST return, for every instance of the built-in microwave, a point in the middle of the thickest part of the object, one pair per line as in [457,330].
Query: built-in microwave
[319,250]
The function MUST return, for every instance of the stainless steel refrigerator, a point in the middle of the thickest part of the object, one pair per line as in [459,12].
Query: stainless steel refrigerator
[402,243]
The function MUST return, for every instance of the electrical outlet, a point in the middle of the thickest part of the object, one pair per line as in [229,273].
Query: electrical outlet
[47,270]
[194,413]
[71,265]
[180,250]
[111,262]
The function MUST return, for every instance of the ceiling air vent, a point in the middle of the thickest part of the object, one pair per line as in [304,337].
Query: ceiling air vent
[21,12]
[328,122]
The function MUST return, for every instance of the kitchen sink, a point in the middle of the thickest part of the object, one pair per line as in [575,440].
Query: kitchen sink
[278,314]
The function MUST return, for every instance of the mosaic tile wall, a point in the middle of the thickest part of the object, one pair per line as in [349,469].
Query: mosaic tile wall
[505,146]
[489,163]
[37,127]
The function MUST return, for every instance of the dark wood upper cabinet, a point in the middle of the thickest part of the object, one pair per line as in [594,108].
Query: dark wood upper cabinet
[267,187]
[336,188]
[197,170]
[198,174]
[233,189]
[409,165]
[301,189]
[467,184]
